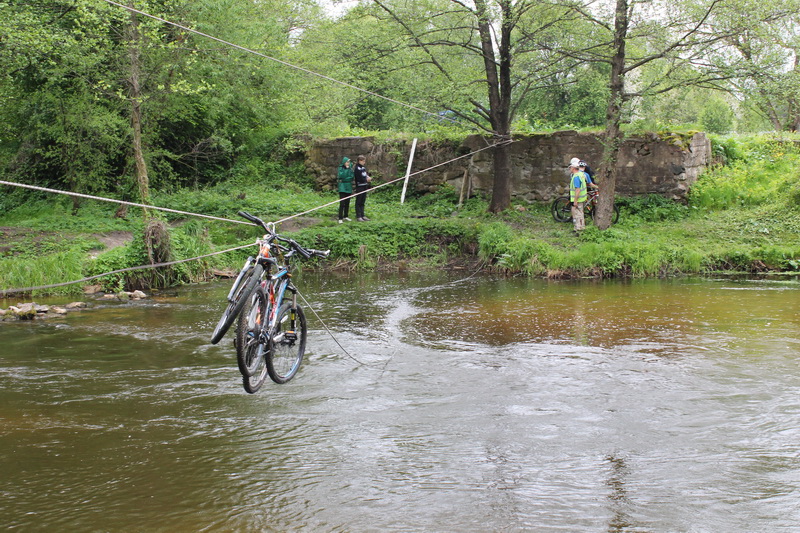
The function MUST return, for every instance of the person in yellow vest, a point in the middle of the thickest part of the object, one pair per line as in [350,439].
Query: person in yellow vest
[577,194]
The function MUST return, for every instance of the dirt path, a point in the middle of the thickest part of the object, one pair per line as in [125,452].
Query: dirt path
[15,240]
[112,239]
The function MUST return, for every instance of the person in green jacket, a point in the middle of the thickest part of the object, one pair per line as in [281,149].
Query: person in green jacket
[345,189]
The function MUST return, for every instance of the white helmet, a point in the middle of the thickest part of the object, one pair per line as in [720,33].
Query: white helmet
[574,162]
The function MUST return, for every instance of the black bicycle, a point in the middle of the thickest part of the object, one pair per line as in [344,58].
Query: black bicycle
[271,330]
[561,208]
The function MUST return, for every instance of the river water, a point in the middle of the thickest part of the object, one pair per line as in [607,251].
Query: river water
[460,405]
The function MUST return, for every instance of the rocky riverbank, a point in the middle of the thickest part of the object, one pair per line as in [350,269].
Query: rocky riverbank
[34,311]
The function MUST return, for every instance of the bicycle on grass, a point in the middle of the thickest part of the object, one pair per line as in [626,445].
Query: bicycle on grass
[561,208]
[271,330]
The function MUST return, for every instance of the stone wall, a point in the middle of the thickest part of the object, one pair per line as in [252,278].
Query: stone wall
[648,164]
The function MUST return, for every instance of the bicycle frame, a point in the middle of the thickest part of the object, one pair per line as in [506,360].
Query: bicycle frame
[276,286]
[239,278]
[591,198]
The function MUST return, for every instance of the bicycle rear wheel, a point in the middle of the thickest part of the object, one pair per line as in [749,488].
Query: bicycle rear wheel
[251,344]
[235,304]
[287,343]
[614,215]
[561,209]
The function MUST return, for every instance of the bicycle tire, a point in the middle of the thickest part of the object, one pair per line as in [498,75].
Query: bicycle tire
[249,326]
[251,349]
[614,216]
[252,384]
[561,209]
[287,343]
[235,304]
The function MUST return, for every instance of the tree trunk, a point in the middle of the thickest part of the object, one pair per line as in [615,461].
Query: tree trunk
[501,190]
[612,136]
[497,65]
[156,235]
[135,94]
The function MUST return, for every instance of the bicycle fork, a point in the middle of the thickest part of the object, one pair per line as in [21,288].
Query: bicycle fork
[288,335]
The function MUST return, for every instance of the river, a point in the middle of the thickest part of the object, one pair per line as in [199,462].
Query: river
[454,404]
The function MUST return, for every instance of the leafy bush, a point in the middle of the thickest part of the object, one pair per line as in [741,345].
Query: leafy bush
[367,243]
[717,116]
[528,255]
[654,208]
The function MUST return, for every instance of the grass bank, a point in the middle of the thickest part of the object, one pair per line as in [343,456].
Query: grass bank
[742,216]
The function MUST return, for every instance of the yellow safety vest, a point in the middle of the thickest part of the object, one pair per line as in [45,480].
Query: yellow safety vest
[582,194]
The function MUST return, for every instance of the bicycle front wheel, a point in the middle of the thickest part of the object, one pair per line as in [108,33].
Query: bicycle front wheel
[249,328]
[256,352]
[251,344]
[287,343]
[235,304]
[561,209]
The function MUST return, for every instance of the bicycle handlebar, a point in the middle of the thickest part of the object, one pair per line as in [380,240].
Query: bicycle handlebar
[294,245]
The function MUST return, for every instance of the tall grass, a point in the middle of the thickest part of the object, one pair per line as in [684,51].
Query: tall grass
[60,267]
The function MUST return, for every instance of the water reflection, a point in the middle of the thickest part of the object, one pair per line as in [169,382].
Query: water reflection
[618,496]
[486,405]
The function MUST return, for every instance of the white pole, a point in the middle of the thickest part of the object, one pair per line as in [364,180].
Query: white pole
[408,170]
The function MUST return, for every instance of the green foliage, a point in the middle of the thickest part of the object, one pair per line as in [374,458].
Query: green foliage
[726,150]
[57,214]
[368,243]
[494,240]
[717,116]
[187,241]
[530,256]
[441,203]
[761,172]
[580,102]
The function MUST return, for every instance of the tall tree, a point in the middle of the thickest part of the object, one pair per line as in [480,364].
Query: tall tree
[678,42]
[133,38]
[770,54]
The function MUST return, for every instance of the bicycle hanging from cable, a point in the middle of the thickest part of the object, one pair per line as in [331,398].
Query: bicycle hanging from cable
[271,330]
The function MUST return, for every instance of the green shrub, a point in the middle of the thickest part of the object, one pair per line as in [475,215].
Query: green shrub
[760,176]
[188,241]
[494,239]
[654,208]
[368,243]
[527,255]
[688,260]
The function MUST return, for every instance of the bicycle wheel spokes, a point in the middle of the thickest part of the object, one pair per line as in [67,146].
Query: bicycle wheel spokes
[287,343]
